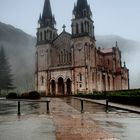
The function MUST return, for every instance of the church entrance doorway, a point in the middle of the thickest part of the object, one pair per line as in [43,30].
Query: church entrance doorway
[53,86]
[68,86]
[61,88]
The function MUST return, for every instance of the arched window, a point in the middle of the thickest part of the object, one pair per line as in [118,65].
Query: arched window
[61,57]
[67,55]
[50,35]
[70,57]
[40,35]
[82,27]
[42,80]
[45,35]
[85,24]
[80,77]
[93,77]
[64,56]
[85,12]
[77,28]
[88,28]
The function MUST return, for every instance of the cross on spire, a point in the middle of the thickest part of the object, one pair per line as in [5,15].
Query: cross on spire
[64,26]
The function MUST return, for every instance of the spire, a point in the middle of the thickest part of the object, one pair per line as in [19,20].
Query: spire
[47,12]
[116,44]
[82,9]
[47,18]
[46,31]
[82,23]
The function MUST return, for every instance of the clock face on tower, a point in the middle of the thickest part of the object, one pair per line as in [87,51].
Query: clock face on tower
[79,46]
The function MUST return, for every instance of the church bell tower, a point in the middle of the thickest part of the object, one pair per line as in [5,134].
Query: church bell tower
[46,25]
[83,41]
[82,23]
[46,33]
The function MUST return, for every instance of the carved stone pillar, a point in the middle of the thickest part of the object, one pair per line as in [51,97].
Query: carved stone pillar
[65,88]
[56,88]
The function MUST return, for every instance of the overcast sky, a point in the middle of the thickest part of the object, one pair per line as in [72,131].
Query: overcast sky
[119,17]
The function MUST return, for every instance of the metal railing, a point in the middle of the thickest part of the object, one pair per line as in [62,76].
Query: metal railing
[26,100]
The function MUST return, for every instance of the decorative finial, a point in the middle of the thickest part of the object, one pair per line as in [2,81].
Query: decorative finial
[64,26]
[116,44]
[124,64]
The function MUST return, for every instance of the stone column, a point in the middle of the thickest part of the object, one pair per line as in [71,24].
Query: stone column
[106,82]
[65,88]
[56,88]
[50,88]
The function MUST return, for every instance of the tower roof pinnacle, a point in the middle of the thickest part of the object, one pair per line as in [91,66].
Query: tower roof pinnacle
[82,9]
[47,19]
[47,12]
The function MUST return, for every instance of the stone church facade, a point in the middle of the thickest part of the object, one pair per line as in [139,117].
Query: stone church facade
[71,63]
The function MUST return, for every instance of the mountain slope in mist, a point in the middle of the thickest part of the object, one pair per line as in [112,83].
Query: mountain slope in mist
[20,49]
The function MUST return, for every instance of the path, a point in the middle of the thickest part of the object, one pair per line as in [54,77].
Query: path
[72,125]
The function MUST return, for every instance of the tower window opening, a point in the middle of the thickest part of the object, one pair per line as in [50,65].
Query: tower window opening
[77,28]
[80,77]
[45,35]
[85,12]
[82,27]
[64,56]
[40,35]
[67,56]
[50,35]
[42,80]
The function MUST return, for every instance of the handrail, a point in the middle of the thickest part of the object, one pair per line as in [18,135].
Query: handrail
[28,100]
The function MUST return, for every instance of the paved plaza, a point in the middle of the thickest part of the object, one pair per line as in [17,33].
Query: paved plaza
[63,123]
[72,125]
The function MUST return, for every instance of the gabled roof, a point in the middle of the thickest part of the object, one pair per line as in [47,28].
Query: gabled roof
[62,34]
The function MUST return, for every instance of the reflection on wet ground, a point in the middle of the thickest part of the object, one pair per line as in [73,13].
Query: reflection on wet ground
[33,123]
[123,124]
[34,120]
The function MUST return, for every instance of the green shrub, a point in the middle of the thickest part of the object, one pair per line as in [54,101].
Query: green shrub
[34,95]
[30,95]
[24,96]
[91,95]
[12,95]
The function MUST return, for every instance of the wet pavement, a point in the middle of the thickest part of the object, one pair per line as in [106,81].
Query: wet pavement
[31,128]
[122,124]
[33,124]
[65,122]
[131,108]
[72,125]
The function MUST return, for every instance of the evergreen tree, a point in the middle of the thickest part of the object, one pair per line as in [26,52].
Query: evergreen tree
[5,72]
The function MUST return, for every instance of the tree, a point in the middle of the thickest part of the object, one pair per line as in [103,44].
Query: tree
[5,72]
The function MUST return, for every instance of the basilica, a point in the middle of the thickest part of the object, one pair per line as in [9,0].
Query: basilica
[70,63]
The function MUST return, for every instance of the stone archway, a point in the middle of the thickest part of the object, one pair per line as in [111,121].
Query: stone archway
[53,87]
[61,87]
[68,83]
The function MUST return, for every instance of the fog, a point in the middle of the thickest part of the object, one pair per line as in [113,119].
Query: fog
[20,50]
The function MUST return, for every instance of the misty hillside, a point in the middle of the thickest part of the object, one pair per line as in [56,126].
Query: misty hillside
[20,49]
